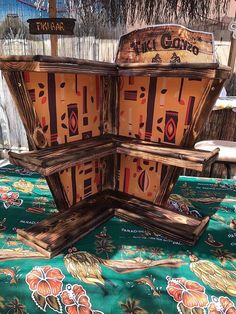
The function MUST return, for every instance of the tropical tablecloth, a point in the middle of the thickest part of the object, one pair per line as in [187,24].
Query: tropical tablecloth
[119,267]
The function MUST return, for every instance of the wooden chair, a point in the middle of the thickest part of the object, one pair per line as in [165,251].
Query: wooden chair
[111,139]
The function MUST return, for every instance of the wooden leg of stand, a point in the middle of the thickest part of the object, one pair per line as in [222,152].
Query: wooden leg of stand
[211,170]
[228,167]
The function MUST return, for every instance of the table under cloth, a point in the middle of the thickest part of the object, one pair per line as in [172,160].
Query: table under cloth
[119,267]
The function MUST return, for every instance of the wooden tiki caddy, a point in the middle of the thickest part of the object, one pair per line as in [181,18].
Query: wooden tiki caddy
[111,139]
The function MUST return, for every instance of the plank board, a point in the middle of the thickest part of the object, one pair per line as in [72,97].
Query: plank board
[54,64]
[50,160]
[194,71]
[52,235]
[160,220]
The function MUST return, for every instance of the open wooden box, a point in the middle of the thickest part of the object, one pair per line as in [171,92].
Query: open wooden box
[111,139]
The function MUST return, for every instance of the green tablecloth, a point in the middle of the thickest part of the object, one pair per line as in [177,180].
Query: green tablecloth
[119,268]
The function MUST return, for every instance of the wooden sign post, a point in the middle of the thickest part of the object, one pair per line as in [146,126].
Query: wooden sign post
[53,26]
[53,14]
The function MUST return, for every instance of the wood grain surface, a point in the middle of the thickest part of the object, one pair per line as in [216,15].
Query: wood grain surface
[165,43]
[54,159]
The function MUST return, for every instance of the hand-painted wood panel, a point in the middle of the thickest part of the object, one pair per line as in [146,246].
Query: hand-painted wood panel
[139,177]
[165,44]
[158,109]
[82,180]
[67,105]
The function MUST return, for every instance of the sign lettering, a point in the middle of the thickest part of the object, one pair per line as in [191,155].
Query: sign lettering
[165,44]
[178,43]
[57,26]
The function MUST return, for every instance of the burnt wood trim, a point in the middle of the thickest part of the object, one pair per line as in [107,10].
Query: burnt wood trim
[151,222]
[178,160]
[56,65]
[57,191]
[50,160]
[73,65]
[62,160]
[55,233]
[16,84]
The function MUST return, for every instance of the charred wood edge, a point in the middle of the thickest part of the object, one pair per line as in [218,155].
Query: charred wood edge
[185,72]
[72,65]
[87,215]
[57,65]
[109,174]
[58,191]
[170,158]
[92,212]
[159,228]
[25,108]
[59,165]
[51,160]
[201,115]
[53,59]
[115,105]
[106,88]
[101,103]
[166,219]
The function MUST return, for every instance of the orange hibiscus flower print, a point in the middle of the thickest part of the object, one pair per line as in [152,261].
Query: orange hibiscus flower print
[76,300]
[45,280]
[4,189]
[45,283]
[188,294]
[221,305]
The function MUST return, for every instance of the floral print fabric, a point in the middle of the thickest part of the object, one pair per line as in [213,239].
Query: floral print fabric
[119,268]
